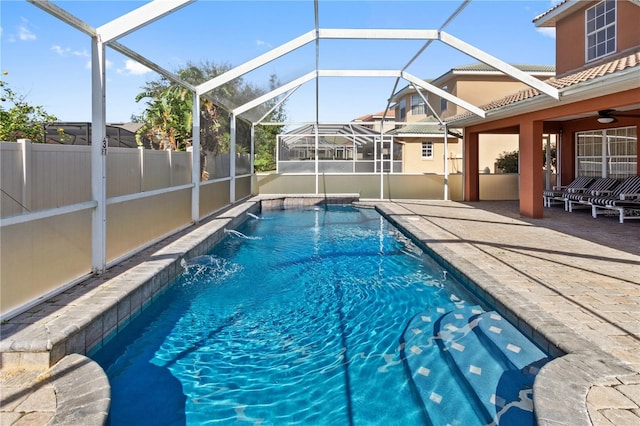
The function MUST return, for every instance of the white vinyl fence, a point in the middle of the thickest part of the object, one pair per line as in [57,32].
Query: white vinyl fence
[46,210]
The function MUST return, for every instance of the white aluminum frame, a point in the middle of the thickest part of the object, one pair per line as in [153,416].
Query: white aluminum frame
[109,33]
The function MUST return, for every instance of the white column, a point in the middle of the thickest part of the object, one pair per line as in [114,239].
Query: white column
[317,154]
[253,142]
[99,146]
[232,158]
[195,160]
[446,164]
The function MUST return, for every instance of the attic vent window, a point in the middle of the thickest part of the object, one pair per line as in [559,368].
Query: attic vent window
[601,29]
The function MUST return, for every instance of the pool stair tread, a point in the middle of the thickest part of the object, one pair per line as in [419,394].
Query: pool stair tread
[497,363]
[430,372]
[520,351]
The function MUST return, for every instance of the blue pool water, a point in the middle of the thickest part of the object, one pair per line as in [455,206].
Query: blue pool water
[316,317]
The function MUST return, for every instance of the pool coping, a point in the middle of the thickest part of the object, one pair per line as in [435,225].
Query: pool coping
[576,367]
[76,323]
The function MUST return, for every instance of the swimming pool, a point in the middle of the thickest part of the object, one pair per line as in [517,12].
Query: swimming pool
[327,316]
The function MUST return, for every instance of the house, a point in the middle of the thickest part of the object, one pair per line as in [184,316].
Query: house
[597,110]
[378,121]
[421,133]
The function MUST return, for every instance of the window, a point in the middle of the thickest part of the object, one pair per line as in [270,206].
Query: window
[601,29]
[427,149]
[443,101]
[417,105]
[403,109]
[608,153]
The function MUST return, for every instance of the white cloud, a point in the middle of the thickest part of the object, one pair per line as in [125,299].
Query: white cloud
[66,51]
[132,67]
[24,33]
[547,32]
[261,43]
[135,68]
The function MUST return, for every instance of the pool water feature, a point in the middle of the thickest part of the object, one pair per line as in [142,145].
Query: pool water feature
[328,316]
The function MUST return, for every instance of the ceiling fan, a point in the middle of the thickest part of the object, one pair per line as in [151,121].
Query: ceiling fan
[606,116]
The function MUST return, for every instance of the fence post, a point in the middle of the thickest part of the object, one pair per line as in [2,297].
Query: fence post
[141,166]
[196,176]
[99,147]
[25,148]
[232,158]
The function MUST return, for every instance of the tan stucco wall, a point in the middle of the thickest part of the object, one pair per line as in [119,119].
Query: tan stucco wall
[414,163]
[491,146]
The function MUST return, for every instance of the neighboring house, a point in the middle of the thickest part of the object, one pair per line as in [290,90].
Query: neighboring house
[596,115]
[418,129]
[374,121]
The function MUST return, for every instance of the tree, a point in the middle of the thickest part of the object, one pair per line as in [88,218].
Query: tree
[21,120]
[168,116]
[508,162]
[266,136]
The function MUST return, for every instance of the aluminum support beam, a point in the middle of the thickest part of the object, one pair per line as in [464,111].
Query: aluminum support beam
[442,27]
[277,92]
[99,147]
[196,176]
[256,62]
[151,65]
[232,158]
[496,63]
[443,94]
[138,18]
[359,73]
[64,16]
[377,34]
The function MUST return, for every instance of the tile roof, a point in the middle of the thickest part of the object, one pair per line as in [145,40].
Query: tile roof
[391,113]
[555,7]
[427,126]
[562,82]
[480,66]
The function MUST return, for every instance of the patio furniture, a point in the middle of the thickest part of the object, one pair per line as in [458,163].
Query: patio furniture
[556,195]
[624,198]
[581,196]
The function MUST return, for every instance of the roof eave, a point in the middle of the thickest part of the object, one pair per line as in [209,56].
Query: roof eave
[612,83]
[549,18]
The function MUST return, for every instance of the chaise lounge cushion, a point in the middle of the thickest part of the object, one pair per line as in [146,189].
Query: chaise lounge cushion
[628,192]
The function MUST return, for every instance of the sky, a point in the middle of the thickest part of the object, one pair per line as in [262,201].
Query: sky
[48,62]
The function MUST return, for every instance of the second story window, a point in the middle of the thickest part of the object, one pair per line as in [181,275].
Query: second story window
[427,149]
[601,29]
[403,109]
[443,101]
[417,105]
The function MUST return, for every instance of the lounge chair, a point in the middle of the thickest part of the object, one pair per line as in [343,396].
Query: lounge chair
[556,195]
[580,197]
[624,198]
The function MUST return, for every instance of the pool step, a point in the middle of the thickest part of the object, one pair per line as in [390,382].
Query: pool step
[430,369]
[516,348]
[494,362]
